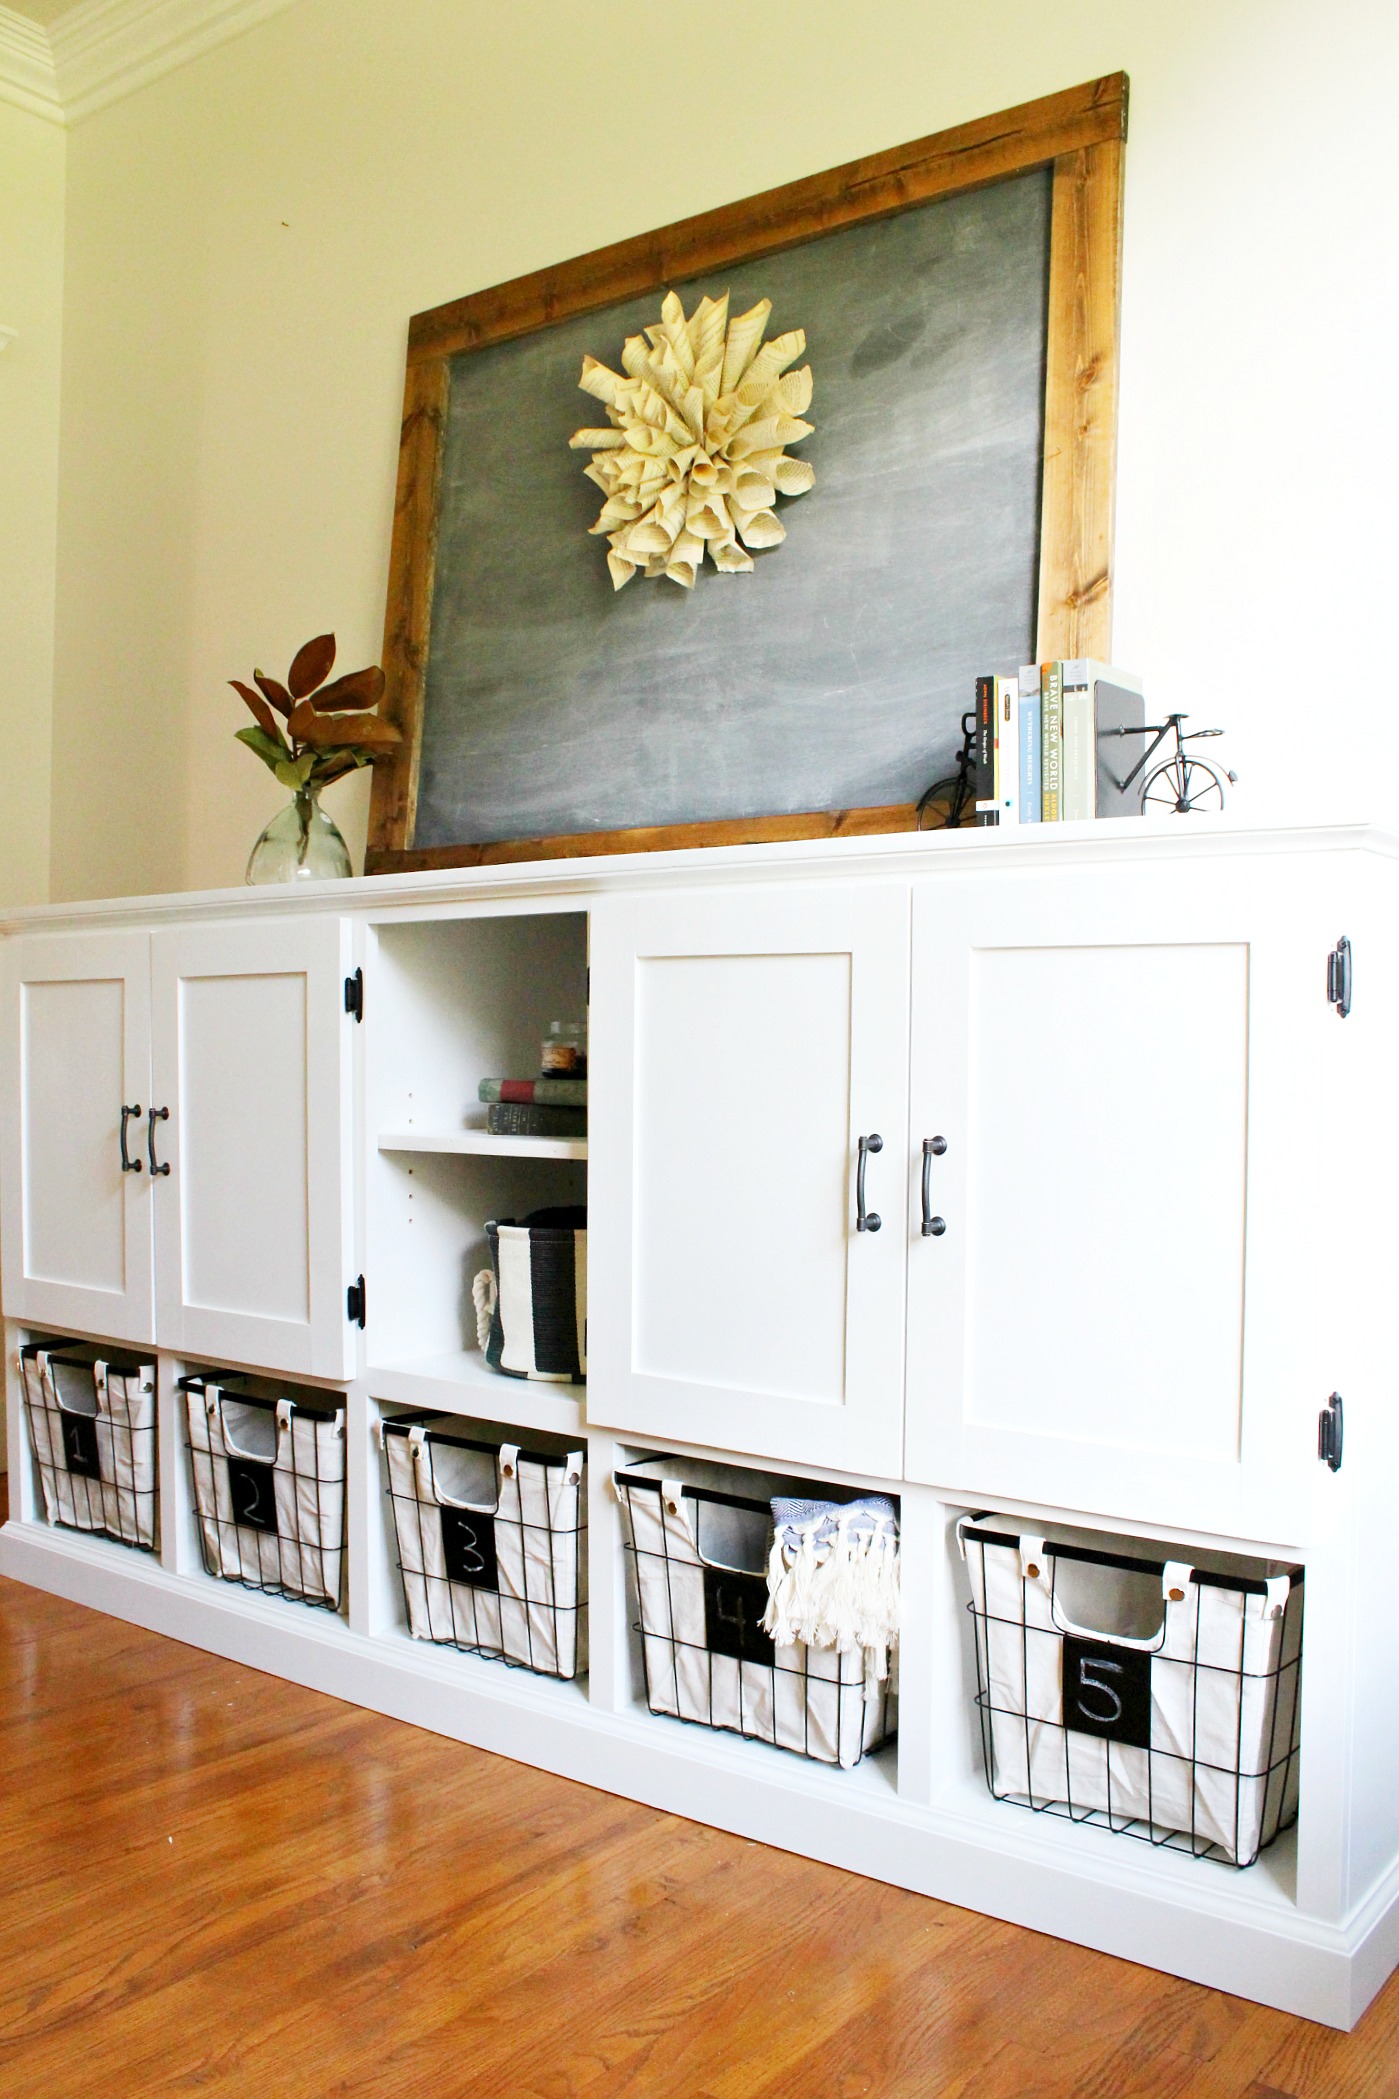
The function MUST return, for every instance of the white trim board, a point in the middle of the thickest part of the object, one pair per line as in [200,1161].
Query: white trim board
[100,50]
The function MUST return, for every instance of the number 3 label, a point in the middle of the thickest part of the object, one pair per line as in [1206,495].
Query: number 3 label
[1107,1691]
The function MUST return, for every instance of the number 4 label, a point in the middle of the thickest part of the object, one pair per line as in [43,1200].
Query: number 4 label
[1107,1691]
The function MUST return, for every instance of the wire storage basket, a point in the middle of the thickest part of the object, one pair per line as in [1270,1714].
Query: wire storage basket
[92,1424]
[492,1545]
[1149,1696]
[697,1556]
[269,1488]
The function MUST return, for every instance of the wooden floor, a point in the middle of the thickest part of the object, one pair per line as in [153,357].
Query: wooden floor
[216,1883]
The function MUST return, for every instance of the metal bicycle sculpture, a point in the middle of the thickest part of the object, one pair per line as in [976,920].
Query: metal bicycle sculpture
[1180,783]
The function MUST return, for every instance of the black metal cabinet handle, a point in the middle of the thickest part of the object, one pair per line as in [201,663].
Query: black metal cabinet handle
[933,1148]
[153,1116]
[866,1220]
[128,1164]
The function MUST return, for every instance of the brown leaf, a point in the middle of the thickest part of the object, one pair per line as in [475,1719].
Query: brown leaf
[276,692]
[326,731]
[310,666]
[261,712]
[356,689]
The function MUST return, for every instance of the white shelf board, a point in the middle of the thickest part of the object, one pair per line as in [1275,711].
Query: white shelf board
[464,1383]
[483,1144]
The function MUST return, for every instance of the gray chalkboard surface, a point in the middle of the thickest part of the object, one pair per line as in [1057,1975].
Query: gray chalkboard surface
[833,676]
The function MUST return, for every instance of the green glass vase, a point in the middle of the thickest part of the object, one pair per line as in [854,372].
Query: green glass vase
[301,844]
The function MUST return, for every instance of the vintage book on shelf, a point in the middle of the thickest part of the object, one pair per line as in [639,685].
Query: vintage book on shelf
[1052,741]
[1007,751]
[519,1119]
[1076,736]
[986,750]
[1031,755]
[535,1093]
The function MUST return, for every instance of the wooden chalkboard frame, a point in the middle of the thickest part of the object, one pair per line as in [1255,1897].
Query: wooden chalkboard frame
[1079,132]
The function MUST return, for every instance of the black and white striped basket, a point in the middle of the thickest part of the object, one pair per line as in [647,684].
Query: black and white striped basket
[535,1296]
[92,1425]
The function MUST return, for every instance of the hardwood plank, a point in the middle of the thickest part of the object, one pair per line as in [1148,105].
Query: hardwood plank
[221,1883]
[965,157]
[1080,405]
[652,838]
[393,798]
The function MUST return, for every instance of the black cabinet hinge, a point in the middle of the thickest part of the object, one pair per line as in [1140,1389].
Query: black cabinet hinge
[354,994]
[355,1302]
[1338,974]
[1331,1432]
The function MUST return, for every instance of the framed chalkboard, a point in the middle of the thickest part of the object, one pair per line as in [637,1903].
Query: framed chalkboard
[959,300]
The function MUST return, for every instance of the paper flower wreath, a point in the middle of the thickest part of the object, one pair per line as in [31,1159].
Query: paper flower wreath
[694,456]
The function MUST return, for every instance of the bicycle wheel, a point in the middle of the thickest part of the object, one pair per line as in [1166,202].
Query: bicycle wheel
[942,807]
[1183,785]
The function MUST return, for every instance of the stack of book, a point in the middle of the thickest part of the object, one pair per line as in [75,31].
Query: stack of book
[1054,743]
[535,1107]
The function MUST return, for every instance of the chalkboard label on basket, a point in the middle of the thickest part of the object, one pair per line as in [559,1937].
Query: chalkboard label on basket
[1107,1691]
[80,1446]
[733,1615]
[468,1548]
[253,1492]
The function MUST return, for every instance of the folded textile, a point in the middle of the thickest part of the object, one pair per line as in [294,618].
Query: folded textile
[833,1578]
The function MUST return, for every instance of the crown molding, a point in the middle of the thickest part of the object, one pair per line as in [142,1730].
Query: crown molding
[27,78]
[100,50]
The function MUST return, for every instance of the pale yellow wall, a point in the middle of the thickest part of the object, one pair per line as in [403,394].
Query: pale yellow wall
[248,236]
[31,301]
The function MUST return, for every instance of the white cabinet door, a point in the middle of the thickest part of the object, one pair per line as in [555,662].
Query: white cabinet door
[742,1043]
[1124,1071]
[76,1228]
[251,1057]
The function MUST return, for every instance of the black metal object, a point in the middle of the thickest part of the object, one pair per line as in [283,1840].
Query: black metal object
[354,994]
[356,1302]
[950,800]
[1331,1432]
[866,1220]
[1103,1688]
[933,1148]
[1338,977]
[155,1115]
[97,1458]
[128,1164]
[277,1544]
[724,1629]
[469,1608]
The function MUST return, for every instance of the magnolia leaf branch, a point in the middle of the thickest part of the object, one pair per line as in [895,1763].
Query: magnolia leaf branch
[330,730]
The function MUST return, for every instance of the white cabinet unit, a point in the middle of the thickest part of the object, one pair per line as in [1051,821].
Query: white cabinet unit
[749,1081]
[1159,1237]
[1127,1078]
[176,1131]
[75,1210]
[251,1058]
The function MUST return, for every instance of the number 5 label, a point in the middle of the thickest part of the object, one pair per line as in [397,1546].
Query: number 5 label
[1107,1691]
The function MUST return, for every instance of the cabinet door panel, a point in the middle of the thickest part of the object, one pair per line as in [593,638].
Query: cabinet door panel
[1118,1072]
[77,1230]
[740,1046]
[252,1060]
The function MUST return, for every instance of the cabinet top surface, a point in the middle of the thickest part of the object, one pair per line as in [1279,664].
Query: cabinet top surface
[898,856]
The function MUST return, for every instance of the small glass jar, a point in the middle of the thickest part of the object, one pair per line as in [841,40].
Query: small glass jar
[563,1053]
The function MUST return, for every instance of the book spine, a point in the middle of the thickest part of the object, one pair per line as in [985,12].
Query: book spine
[551,1093]
[1008,750]
[1076,785]
[1030,753]
[986,750]
[518,1119]
[1051,739]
